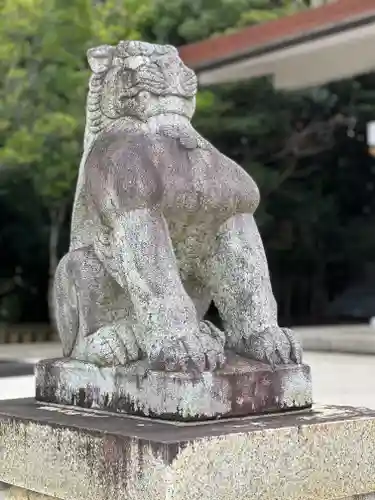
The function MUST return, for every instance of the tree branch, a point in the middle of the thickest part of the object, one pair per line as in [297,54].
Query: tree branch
[315,138]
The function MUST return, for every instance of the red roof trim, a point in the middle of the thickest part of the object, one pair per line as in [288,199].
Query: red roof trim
[226,46]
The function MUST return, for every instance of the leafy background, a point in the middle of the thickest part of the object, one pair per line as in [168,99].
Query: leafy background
[306,150]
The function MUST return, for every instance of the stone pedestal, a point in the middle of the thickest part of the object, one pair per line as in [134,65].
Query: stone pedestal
[15,493]
[243,387]
[75,454]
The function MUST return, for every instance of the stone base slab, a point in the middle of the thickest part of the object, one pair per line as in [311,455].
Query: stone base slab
[243,387]
[15,493]
[71,454]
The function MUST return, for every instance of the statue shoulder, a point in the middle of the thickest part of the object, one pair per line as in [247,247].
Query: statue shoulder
[109,146]
[123,166]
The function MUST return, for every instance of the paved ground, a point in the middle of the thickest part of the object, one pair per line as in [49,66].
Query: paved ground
[341,379]
[19,359]
[14,368]
[345,379]
[30,352]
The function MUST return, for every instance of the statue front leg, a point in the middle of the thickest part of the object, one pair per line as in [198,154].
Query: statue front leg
[92,312]
[237,273]
[137,252]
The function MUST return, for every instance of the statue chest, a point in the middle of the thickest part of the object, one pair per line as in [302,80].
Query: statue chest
[206,182]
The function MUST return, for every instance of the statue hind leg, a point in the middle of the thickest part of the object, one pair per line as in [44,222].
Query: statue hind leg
[92,312]
[237,274]
[66,312]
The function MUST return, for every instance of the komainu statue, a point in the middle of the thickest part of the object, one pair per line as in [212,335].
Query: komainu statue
[163,225]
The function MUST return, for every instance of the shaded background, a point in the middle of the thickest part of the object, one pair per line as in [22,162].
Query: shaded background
[306,150]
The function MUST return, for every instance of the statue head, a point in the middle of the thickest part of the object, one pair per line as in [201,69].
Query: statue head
[139,79]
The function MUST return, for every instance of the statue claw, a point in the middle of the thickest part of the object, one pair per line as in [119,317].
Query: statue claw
[275,346]
[113,345]
[199,352]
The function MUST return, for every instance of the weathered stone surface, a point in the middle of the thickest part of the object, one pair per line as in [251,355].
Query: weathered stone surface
[242,388]
[22,494]
[325,453]
[15,493]
[370,496]
[162,225]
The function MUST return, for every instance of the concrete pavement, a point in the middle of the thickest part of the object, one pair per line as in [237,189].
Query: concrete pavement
[343,379]
[11,368]
[30,352]
[338,379]
[353,339]
[19,359]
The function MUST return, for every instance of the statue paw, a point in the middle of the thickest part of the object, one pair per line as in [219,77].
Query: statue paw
[274,346]
[111,345]
[201,351]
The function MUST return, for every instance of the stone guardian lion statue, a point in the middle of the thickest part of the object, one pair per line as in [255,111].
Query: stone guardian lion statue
[162,225]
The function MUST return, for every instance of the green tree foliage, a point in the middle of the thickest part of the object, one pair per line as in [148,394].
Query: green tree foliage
[305,149]
[42,93]
[185,21]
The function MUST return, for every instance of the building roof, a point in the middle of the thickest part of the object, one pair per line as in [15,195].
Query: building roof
[277,40]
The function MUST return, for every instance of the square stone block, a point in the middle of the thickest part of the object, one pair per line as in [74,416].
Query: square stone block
[75,454]
[243,387]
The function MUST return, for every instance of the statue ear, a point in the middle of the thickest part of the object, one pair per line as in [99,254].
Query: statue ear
[100,58]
